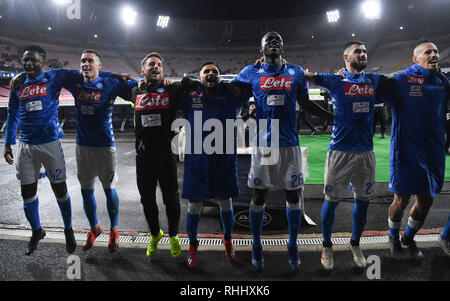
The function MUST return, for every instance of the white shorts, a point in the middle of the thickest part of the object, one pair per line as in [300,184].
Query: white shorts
[283,171]
[343,168]
[31,157]
[96,161]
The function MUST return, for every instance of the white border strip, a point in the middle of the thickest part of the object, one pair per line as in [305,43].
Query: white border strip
[218,241]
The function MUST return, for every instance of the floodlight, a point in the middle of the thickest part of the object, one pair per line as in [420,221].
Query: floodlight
[372,9]
[62,2]
[49,28]
[401,27]
[333,16]
[128,15]
[95,36]
[353,34]
[163,21]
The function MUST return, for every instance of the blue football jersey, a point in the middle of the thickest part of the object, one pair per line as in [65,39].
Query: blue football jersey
[353,98]
[34,107]
[417,156]
[94,102]
[210,175]
[275,91]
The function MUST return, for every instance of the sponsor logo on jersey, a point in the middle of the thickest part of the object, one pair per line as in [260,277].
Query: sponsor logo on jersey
[415,88]
[276,83]
[195,93]
[86,95]
[32,91]
[151,120]
[152,101]
[411,93]
[35,105]
[361,107]
[87,110]
[415,80]
[359,90]
[275,100]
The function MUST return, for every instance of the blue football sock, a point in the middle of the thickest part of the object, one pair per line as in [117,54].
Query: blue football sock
[359,219]
[90,206]
[412,228]
[394,228]
[394,233]
[192,221]
[227,222]
[32,214]
[256,222]
[445,232]
[328,214]
[66,212]
[294,219]
[112,204]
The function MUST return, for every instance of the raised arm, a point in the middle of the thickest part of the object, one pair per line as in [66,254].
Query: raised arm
[312,107]
[11,127]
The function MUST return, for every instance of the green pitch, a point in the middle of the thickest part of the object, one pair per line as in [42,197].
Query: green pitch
[317,152]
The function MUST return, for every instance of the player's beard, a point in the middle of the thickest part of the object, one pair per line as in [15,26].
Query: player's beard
[359,65]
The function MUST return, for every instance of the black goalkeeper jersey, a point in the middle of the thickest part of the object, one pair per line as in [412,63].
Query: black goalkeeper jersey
[155,110]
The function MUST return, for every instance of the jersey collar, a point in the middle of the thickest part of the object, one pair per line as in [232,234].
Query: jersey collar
[35,79]
[352,75]
[273,68]
[420,70]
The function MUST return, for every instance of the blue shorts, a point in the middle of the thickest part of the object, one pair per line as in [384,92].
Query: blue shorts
[415,178]
[210,177]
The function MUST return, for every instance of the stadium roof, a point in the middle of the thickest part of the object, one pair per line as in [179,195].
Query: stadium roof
[222,23]
[233,9]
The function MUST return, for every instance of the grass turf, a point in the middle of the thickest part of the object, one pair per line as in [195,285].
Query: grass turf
[317,152]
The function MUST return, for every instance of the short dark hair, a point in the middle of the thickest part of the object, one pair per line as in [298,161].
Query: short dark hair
[352,42]
[151,54]
[210,63]
[91,51]
[37,49]
[421,41]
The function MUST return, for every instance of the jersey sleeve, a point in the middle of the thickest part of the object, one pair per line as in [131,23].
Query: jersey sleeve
[383,89]
[244,76]
[124,88]
[329,81]
[12,119]
[245,92]
[390,90]
[301,79]
[177,95]
[70,77]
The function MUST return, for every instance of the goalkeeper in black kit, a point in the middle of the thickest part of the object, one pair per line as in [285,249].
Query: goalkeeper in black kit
[155,110]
